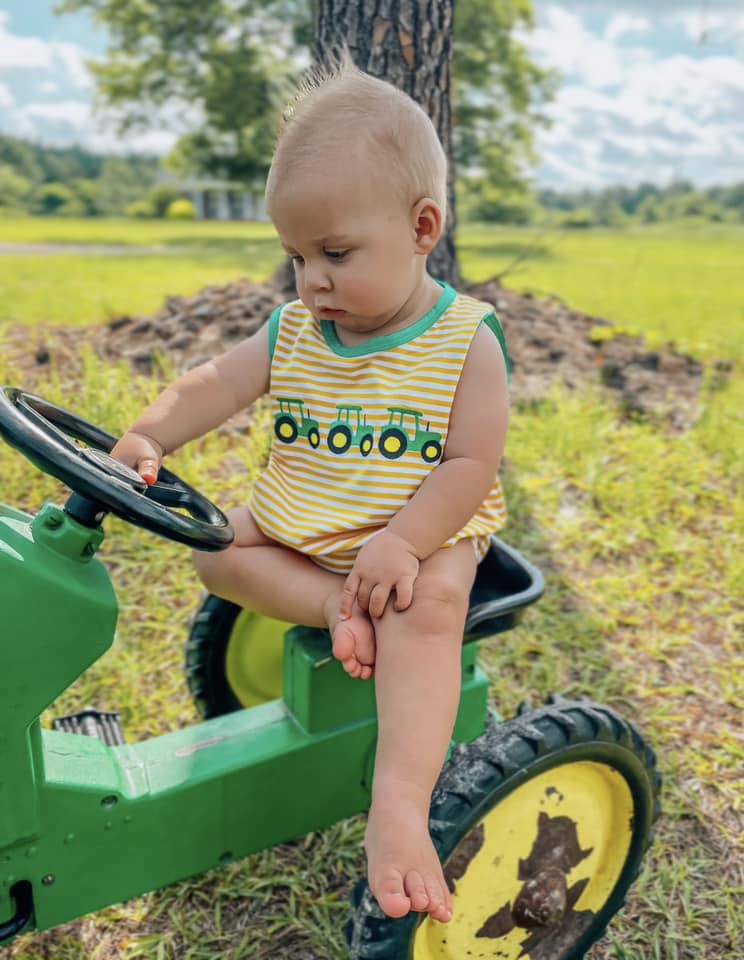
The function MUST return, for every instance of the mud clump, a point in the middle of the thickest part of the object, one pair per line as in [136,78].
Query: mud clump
[548,341]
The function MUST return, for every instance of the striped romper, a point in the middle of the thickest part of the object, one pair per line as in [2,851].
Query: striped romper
[357,429]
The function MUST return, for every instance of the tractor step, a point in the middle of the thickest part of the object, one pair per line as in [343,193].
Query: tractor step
[93,723]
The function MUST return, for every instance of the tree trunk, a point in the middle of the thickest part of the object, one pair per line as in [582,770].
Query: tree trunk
[409,44]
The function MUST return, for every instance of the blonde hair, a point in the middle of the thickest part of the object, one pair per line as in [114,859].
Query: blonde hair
[343,108]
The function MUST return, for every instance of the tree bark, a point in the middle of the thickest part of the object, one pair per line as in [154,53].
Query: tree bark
[409,44]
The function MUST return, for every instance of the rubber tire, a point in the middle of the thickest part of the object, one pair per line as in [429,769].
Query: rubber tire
[206,651]
[313,437]
[482,773]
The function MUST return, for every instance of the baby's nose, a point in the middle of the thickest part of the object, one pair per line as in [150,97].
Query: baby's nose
[317,278]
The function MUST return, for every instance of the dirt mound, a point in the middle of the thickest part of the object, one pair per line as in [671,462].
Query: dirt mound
[548,341]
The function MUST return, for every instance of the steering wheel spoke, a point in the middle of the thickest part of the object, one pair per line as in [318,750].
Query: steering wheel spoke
[47,435]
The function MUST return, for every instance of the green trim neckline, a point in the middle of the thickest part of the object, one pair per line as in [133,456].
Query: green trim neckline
[390,340]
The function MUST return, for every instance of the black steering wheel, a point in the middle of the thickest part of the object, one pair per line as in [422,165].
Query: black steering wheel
[43,432]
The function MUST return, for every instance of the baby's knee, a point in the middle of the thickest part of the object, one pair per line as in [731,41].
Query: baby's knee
[208,566]
[439,604]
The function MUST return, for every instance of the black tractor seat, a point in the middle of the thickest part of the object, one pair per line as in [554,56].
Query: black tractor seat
[505,585]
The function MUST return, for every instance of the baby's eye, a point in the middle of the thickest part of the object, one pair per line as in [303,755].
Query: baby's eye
[336,254]
[296,258]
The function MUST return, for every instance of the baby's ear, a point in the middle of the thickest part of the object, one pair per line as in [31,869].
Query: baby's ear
[427,224]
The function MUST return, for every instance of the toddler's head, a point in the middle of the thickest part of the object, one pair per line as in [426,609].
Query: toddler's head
[357,192]
[377,128]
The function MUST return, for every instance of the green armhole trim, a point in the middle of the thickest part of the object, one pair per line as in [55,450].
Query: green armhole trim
[494,324]
[274,329]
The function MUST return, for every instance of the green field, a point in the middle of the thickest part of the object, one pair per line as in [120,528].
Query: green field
[639,531]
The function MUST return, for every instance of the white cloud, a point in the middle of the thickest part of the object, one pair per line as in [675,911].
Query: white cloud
[48,86]
[627,111]
[622,24]
[6,97]
[70,113]
[32,53]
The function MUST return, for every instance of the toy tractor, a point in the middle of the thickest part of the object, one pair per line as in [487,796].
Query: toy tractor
[541,821]
[350,427]
[286,426]
[396,438]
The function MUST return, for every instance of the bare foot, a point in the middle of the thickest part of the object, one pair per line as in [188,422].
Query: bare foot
[402,865]
[353,639]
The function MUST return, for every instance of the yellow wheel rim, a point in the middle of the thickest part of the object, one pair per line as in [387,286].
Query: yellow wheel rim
[392,444]
[254,659]
[431,451]
[584,807]
[366,445]
[339,441]
[286,430]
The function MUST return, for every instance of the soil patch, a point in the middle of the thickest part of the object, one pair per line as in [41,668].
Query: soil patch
[549,342]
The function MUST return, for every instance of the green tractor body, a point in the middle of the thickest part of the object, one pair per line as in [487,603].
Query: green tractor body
[292,422]
[350,429]
[403,432]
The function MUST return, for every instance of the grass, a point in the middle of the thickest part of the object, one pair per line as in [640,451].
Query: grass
[639,534]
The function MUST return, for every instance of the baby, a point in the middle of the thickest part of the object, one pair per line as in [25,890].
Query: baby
[390,402]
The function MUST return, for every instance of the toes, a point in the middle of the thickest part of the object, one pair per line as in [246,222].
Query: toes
[343,643]
[435,904]
[416,889]
[391,895]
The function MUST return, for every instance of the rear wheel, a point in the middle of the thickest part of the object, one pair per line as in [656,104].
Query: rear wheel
[233,657]
[541,825]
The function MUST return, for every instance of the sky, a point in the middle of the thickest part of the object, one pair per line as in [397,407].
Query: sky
[649,90]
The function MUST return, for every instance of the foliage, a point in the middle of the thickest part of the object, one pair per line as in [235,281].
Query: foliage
[181,210]
[500,93]
[228,60]
[70,181]
[218,61]
[645,203]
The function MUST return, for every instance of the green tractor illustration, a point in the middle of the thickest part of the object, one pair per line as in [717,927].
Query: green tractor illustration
[397,436]
[292,422]
[350,427]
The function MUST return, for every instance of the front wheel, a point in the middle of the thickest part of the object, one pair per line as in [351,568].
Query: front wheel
[541,825]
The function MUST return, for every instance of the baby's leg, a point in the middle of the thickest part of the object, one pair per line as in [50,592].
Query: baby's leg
[258,573]
[417,675]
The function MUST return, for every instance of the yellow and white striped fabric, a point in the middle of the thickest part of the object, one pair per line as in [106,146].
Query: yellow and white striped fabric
[358,429]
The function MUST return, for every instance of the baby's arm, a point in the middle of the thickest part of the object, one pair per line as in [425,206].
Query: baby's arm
[452,492]
[196,403]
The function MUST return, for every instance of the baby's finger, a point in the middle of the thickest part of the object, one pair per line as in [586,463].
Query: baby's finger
[148,470]
[377,600]
[363,593]
[349,595]
[403,593]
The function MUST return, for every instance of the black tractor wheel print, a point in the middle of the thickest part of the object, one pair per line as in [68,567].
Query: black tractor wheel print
[365,447]
[313,437]
[339,439]
[431,451]
[393,443]
[285,429]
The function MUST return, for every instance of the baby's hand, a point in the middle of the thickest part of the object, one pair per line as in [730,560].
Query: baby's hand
[384,564]
[140,452]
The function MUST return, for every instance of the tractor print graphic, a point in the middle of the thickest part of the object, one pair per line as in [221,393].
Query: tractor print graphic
[350,427]
[399,434]
[292,422]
